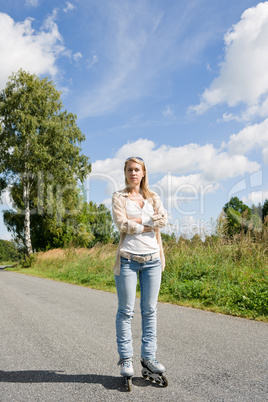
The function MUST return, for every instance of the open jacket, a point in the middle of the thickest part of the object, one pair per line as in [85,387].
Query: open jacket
[125,225]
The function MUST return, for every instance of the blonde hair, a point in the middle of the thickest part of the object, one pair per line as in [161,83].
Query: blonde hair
[144,185]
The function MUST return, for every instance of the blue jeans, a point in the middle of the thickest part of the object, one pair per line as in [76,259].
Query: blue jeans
[126,283]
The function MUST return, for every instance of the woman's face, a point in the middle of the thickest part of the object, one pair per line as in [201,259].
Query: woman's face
[134,173]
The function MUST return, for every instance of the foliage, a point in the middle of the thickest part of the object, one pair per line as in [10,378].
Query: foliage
[83,226]
[256,218]
[28,261]
[226,276]
[40,150]
[168,238]
[238,215]
[265,211]
[97,220]
[9,251]
[238,218]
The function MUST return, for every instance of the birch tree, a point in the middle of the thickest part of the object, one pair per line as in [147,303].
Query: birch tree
[37,137]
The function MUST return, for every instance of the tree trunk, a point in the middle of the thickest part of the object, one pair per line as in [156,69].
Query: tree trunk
[26,199]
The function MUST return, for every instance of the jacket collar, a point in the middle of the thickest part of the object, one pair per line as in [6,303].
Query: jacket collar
[123,192]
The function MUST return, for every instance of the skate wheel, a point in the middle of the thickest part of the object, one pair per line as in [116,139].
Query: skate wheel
[164,381]
[145,376]
[129,384]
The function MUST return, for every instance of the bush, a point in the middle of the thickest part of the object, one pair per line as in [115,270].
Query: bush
[28,261]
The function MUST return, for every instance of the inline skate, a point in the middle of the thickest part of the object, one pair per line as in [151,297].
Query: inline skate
[126,370]
[153,370]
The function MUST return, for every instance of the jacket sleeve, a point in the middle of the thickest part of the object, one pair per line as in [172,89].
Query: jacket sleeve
[160,218]
[123,224]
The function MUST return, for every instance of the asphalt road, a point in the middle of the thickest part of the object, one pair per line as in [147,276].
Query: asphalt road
[58,344]
[5,266]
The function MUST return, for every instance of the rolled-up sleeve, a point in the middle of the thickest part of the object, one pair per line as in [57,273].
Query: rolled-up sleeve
[123,224]
[160,218]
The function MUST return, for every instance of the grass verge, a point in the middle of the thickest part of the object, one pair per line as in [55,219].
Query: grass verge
[8,263]
[224,278]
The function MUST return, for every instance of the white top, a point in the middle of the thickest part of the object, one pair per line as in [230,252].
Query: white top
[140,243]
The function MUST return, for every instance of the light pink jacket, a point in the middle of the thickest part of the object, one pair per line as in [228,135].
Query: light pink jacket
[124,225]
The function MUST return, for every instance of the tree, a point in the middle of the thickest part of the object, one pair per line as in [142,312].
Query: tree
[81,224]
[265,212]
[38,139]
[93,224]
[238,216]
[8,251]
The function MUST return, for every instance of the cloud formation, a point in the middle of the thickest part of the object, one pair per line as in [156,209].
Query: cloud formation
[256,197]
[34,51]
[187,169]
[69,7]
[243,77]
[168,112]
[32,3]
[251,137]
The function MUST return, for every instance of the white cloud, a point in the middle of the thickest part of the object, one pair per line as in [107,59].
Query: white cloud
[32,3]
[77,56]
[223,166]
[187,169]
[93,60]
[164,158]
[178,190]
[243,76]
[191,226]
[23,47]
[168,112]
[265,155]
[250,137]
[107,202]
[256,197]
[5,199]
[187,184]
[69,7]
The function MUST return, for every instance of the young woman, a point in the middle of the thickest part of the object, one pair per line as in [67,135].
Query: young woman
[138,214]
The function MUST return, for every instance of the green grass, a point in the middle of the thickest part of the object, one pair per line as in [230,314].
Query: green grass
[90,268]
[8,263]
[225,278]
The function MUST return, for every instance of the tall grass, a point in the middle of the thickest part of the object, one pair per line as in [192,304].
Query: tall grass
[217,275]
[87,267]
[228,277]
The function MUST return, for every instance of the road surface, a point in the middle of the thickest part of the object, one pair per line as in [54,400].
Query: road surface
[58,344]
[5,266]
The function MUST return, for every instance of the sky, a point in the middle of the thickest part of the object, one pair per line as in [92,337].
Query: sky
[181,83]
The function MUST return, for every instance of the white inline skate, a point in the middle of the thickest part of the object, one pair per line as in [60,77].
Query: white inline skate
[126,370]
[153,370]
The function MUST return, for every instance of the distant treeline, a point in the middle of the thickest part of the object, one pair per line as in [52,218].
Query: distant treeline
[8,251]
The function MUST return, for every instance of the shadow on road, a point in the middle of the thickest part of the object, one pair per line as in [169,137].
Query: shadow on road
[48,376]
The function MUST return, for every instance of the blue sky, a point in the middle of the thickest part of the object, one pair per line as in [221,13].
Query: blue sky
[182,84]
